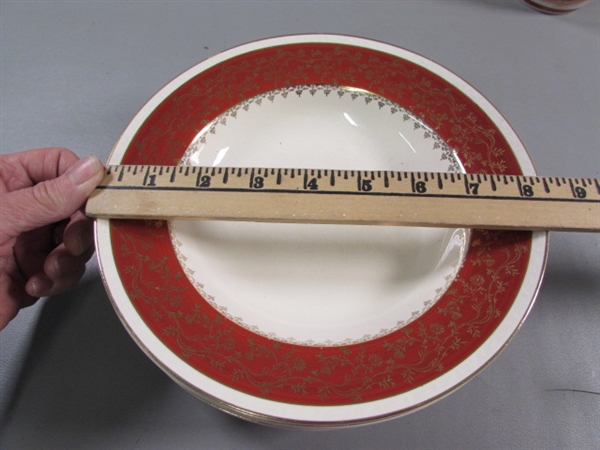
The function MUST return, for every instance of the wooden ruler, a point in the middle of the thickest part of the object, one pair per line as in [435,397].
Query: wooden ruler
[348,196]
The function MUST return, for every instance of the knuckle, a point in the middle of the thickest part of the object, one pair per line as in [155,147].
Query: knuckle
[48,197]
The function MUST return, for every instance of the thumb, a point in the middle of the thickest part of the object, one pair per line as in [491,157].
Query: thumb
[50,201]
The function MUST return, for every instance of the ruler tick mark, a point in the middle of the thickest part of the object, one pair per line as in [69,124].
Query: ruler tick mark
[546,186]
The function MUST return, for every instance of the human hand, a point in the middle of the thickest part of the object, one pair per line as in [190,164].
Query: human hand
[45,239]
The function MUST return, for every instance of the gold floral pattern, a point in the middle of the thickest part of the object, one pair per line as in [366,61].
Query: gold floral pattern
[192,107]
[471,309]
[474,303]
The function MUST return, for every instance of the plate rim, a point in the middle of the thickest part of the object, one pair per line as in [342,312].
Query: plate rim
[137,329]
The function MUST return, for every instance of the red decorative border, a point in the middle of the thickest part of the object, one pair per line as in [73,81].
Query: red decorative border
[465,316]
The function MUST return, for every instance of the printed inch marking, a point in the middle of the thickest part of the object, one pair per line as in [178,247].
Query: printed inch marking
[203,181]
[310,182]
[472,185]
[257,181]
[363,184]
[577,191]
[525,190]
[149,179]
[418,185]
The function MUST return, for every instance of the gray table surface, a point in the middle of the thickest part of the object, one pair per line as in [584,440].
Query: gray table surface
[73,73]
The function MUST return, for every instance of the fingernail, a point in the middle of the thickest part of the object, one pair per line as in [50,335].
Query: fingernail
[39,286]
[83,170]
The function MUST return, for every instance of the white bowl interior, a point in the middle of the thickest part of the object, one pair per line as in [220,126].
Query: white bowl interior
[319,285]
